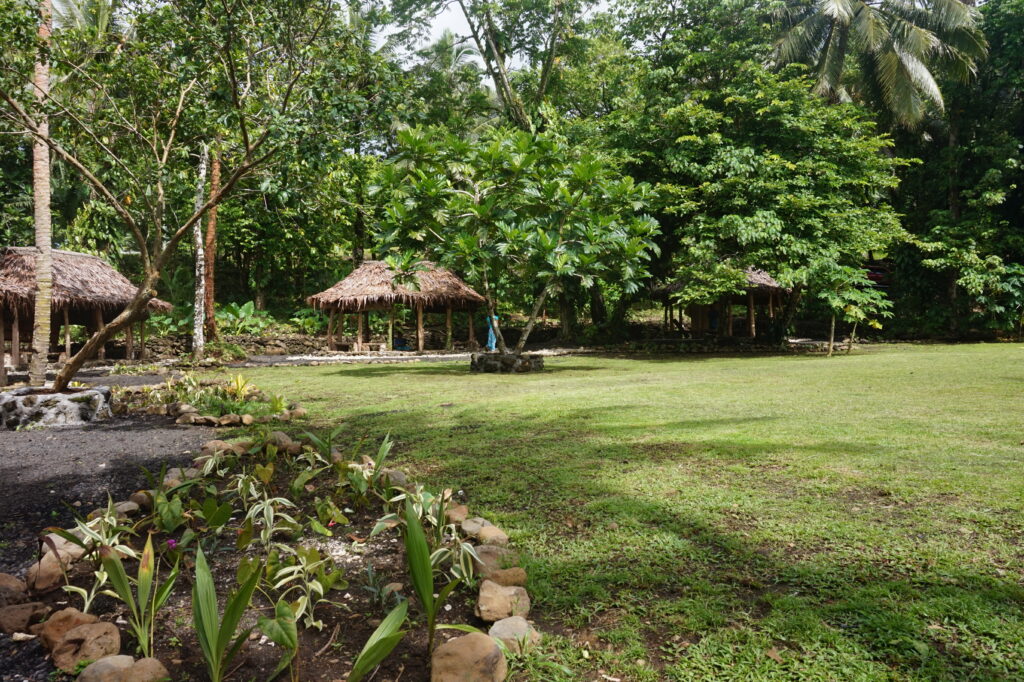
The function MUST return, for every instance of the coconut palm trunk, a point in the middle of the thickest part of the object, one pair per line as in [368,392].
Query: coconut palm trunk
[41,206]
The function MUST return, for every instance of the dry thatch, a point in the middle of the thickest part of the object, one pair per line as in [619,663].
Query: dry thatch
[757,280]
[80,283]
[372,286]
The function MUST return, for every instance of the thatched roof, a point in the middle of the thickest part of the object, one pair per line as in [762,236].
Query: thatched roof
[372,286]
[80,281]
[757,280]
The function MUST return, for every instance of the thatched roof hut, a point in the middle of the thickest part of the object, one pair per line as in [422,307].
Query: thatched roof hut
[373,286]
[87,291]
[81,282]
[762,292]
[757,281]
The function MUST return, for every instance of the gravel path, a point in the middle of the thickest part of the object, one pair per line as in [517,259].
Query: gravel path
[45,474]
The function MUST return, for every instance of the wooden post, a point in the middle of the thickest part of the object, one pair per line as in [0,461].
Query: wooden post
[98,321]
[771,305]
[728,318]
[3,350]
[16,339]
[67,332]
[664,317]
[448,328]
[751,315]
[472,332]
[359,331]
[391,328]
[142,340]
[419,327]
[129,343]
[331,345]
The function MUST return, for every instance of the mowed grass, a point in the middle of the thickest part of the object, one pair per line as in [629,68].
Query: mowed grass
[733,518]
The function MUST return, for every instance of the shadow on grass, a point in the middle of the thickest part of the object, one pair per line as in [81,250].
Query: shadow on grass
[689,569]
[445,369]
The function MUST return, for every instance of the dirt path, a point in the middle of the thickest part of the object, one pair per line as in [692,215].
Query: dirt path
[45,474]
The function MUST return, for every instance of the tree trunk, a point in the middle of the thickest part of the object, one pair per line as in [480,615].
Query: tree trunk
[3,350]
[211,252]
[598,310]
[101,353]
[448,328]
[136,310]
[419,327]
[566,316]
[853,337]
[391,328]
[41,206]
[16,339]
[831,335]
[67,334]
[751,315]
[199,301]
[532,321]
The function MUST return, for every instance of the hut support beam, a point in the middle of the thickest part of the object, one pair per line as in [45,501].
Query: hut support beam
[331,345]
[751,315]
[67,333]
[142,340]
[129,343]
[771,305]
[359,331]
[419,327]
[98,323]
[3,350]
[448,328]
[16,339]
[728,318]
[391,328]
[472,332]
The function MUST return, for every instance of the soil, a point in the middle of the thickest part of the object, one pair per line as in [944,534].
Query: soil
[49,476]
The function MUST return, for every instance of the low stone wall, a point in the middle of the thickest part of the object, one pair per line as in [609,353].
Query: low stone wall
[496,363]
[28,407]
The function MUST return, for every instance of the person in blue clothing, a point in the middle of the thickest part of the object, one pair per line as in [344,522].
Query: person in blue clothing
[492,341]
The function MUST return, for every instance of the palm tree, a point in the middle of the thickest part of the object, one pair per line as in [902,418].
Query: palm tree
[885,52]
[41,206]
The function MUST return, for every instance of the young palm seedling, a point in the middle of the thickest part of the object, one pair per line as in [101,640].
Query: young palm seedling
[148,596]
[216,634]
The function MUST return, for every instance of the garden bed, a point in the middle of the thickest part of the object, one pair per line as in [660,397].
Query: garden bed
[306,524]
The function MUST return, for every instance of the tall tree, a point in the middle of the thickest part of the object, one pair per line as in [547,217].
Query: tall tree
[255,65]
[41,203]
[884,52]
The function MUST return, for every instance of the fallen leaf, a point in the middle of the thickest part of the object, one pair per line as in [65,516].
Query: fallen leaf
[773,654]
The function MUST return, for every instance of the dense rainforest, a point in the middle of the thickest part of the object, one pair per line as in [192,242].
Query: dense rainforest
[571,154]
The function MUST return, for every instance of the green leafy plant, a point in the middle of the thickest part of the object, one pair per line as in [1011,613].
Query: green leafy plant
[148,596]
[421,570]
[381,643]
[309,321]
[312,576]
[216,634]
[234,319]
[88,596]
[281,630]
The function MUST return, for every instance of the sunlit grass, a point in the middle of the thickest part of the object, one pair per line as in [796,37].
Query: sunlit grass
[698,518]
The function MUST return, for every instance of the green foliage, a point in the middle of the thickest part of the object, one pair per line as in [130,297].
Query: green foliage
[519,212]
[235,320]
[216,634]
[148,596]
[281,630]
[309,321]
[312,576]
[421,571]
[381,643]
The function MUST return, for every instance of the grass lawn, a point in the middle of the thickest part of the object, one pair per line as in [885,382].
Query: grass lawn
[741,518]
